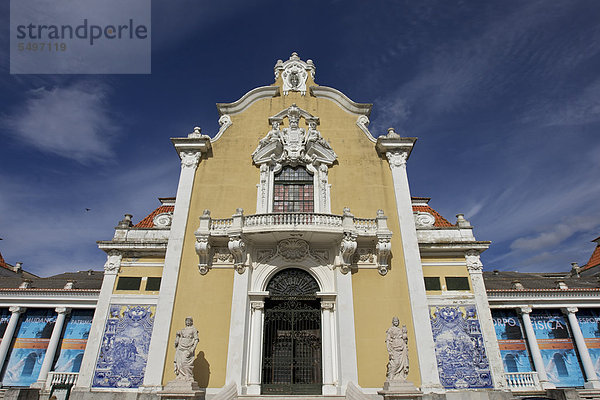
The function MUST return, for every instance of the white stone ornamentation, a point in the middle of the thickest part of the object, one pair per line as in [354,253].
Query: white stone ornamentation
[294,73]
[190,159]
[397,159]
[237,247]
[473,260]
[113,262]
[397,347]
[293,249]
[186,340]
[424,220]
[202,247]
[384,248]
[163,220]
[293,145]
[348,246]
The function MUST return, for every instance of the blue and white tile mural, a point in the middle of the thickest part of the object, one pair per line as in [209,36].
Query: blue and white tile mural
[124,349]
[459,348]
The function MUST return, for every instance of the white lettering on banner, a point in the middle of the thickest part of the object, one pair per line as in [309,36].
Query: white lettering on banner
[505,321]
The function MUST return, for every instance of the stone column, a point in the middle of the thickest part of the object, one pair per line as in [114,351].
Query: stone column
[52,347]
[475,268]
[327,354]
[10,332]
[190,150]
[92,348]
[536,355]
[430,380]
[256,335]
[588,366]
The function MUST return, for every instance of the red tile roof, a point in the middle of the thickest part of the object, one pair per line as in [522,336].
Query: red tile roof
[440,221]
[594,259]
[148,221]
[3,263]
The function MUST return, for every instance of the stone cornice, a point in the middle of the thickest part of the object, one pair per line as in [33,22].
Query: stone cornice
[456,246]
[397,144]
[534,296]
[144,247]
[191,144]
[259,93]
[341,100]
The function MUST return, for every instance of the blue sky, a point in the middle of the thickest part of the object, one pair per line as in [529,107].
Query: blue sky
[504,97]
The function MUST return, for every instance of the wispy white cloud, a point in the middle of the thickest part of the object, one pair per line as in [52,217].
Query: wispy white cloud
[73,121]
[555,235]
[48,227]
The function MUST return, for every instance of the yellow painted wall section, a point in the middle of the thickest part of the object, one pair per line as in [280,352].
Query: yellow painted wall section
[207,299]
[442,271]
[227,180]
[142,272]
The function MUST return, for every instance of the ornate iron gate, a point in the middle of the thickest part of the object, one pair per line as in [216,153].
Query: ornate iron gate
[292,335]
[292,347]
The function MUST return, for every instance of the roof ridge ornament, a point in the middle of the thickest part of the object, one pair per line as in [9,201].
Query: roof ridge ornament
[294,73]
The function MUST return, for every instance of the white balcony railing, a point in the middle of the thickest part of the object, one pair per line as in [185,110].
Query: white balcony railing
[61,378]
[522,381]
[293,219]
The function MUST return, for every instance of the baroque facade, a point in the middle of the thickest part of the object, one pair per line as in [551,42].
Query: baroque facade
[292,242]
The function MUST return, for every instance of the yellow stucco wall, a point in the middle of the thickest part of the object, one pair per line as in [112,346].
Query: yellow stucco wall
[227,180]
[143,272]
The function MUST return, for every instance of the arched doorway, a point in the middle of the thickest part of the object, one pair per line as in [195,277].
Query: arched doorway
[292,335]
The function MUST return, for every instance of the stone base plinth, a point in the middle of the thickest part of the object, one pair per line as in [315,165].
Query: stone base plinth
[182,390]
[393,390]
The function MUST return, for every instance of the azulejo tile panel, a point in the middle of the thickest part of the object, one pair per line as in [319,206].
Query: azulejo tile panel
[459,347]
[124,349]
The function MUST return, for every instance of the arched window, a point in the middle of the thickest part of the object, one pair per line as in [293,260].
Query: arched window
[293,190]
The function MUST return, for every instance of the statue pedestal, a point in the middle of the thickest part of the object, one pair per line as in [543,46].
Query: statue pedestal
[393,390]
[178,389]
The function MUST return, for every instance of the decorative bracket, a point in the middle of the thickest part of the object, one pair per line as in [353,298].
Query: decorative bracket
[384,243]
[347,248]
[237,247]
[202,243]
[203,250]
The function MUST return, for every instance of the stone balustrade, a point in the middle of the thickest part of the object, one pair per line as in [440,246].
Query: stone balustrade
[522,381]
[295,221]
[61,378]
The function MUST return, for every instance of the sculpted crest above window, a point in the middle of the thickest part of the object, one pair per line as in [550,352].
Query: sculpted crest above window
[293,146]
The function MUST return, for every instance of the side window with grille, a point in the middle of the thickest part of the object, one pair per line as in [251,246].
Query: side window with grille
[293,190]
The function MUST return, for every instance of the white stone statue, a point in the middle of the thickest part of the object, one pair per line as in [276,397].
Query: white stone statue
[186,341]
[397,347]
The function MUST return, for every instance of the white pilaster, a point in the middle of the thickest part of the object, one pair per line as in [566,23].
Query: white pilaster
[536,355]
[238,331]
[190,151]
[588,366]
[327,353]
[430,380]
[345,330]
[475,268]
[10,332]
[254,365]
[52,346]
[92,348]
